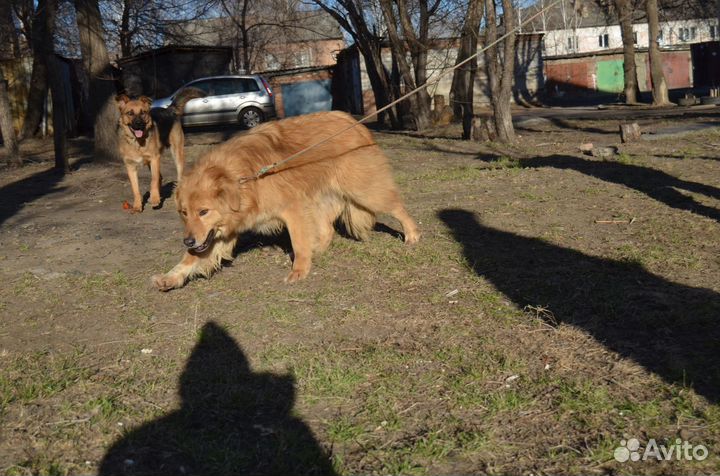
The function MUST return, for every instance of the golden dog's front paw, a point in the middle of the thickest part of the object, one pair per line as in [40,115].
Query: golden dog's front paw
[412,237]
[296,275]
[166,282]
[154,202]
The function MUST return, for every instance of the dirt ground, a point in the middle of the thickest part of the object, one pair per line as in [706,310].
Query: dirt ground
[558,306]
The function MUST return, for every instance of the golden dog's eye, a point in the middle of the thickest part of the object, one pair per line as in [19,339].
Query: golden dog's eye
[184,212]
[130,113]
[203,212]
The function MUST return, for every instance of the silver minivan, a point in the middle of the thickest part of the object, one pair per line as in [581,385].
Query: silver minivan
[247,100]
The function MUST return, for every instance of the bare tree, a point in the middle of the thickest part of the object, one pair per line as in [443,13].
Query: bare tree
[419,102]
[38,78]
[6,125]
[8,32]
[352,16]
[135,25]
[659,85]
[96,62]
[8,36]
[501,67]
[463,83]
[625,11]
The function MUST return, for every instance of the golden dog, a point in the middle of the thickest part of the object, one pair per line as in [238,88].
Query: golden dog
[346,178]
[144,134]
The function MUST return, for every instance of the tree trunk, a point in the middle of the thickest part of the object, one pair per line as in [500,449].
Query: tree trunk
[380,83]
[659,86]
[419,107]
[125,34]
[97,66]
[463,83]
[625,12]
[6,125]
[56,87]
[501,69]
[7,128]
[59,108]
[38,78]
[8,33]
[418,43]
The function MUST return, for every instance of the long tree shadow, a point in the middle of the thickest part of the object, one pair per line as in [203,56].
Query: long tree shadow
[669,328]
[14,196]
[652,182]
[232,421]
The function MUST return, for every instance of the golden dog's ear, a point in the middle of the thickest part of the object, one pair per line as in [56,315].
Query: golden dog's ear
[146,100]
[121,100]
[229,193]
[176,198]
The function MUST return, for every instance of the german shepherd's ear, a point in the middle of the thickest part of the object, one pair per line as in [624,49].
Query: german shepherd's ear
[121,100]
[146,100]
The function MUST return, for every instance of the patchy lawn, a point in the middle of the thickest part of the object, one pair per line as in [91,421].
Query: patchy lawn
[557,306]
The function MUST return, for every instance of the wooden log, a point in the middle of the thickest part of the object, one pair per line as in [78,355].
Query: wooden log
[630,132]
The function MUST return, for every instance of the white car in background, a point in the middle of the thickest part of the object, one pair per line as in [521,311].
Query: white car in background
[247,100]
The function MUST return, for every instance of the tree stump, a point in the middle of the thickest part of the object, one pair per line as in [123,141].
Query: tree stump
[478,129]
[629,132]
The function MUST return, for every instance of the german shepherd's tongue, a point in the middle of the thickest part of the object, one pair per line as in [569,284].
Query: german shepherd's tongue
[138,133]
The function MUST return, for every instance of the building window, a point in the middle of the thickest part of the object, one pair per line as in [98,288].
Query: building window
[572,43]
[302,59]
[713,32]
[604,40]
[660,37]
[271,62]
[687,34]
[635,38]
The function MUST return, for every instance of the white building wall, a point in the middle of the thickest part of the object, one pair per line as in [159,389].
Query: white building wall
[587,39]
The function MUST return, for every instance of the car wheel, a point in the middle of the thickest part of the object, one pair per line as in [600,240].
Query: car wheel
[250,117]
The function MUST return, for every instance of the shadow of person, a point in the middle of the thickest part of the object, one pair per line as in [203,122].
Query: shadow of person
[654,183]
[232,421]
[669,328]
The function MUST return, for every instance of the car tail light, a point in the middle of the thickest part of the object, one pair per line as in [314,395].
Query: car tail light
[267,86]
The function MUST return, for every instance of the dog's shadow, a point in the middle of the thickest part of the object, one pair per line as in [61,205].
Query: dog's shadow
[166,191]
[250,241]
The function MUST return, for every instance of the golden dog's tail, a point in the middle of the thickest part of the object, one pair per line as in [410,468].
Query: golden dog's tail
[358,222]
[178,103]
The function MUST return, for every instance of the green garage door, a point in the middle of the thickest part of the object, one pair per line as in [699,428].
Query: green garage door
[610,76]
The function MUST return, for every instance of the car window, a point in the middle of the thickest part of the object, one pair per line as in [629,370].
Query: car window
[224,86]
[249,85]
[202,85]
